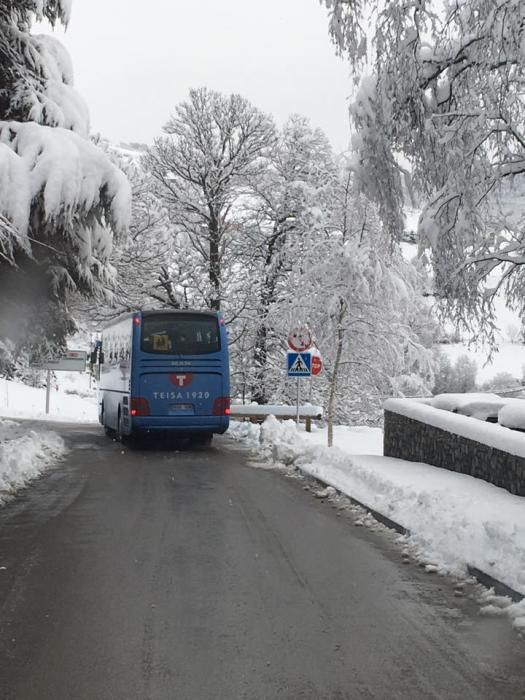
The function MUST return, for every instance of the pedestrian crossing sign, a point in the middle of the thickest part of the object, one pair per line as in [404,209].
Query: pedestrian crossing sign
[299,364]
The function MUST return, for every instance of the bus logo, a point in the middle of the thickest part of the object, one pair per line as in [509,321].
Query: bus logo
[181,379]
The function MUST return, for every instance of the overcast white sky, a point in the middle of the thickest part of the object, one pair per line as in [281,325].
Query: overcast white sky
[135,60]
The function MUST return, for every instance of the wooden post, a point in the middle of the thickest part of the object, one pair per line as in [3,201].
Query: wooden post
[308,422]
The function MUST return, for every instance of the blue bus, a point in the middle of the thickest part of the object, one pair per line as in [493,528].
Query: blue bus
[165,370]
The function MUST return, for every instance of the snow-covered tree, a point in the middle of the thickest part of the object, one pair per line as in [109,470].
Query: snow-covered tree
[361,297]
[457,377]
[465,371]
[214,144]
[444,374]
[442,84]
[290,200]
[61,199]
[143,260]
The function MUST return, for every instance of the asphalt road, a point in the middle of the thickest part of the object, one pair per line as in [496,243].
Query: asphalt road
[156,575]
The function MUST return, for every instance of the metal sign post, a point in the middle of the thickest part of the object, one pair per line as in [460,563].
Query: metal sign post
[48,390]
[298,400]
[301,360]
[299,365]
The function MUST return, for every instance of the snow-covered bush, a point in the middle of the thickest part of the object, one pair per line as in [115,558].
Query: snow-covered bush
[501,381]
[410,385]
[465,371]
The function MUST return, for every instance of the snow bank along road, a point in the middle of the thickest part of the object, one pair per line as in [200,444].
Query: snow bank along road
[154,575]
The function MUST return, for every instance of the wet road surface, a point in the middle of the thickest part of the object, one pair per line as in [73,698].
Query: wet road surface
[143,574]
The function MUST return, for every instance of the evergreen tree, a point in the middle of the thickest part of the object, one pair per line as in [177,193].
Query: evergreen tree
[61,200]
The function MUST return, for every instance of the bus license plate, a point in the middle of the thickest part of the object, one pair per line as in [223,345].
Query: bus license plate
[181,407]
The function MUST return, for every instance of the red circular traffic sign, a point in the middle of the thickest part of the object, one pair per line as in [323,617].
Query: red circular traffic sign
[300,339]
[317,364]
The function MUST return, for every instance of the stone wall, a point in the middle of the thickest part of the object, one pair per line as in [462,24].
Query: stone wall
[406,438]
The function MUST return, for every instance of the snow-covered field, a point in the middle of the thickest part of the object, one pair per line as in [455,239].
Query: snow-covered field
[71,399]
[24,455]
[454,520]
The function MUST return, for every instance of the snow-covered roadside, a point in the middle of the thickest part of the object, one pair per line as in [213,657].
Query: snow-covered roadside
[24,455]
[455,521]
[72,401]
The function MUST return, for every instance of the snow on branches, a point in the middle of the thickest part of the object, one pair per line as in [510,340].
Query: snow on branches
[37,78]
[442,85]
[68,180]
[56,103]
[55,185]
[50,10]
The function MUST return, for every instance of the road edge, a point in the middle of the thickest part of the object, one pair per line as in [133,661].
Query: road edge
[500,588]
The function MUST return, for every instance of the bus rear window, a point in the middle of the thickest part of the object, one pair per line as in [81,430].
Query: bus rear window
[180,334]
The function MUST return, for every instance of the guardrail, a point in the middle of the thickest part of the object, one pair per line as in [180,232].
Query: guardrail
[257,413]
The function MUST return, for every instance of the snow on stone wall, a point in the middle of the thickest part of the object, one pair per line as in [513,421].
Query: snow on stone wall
[492,435]
[456,443]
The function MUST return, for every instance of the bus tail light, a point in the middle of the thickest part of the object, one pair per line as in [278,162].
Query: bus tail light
[221,406]
[139,406]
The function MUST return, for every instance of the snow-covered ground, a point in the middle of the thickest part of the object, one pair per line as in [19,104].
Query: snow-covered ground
[454,521]
[353,440]
[24,455]
[71,399]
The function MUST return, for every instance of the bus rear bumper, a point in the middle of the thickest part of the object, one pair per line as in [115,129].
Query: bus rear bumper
[180,424]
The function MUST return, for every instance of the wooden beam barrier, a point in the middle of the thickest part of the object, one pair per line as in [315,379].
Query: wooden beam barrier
[257,414]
